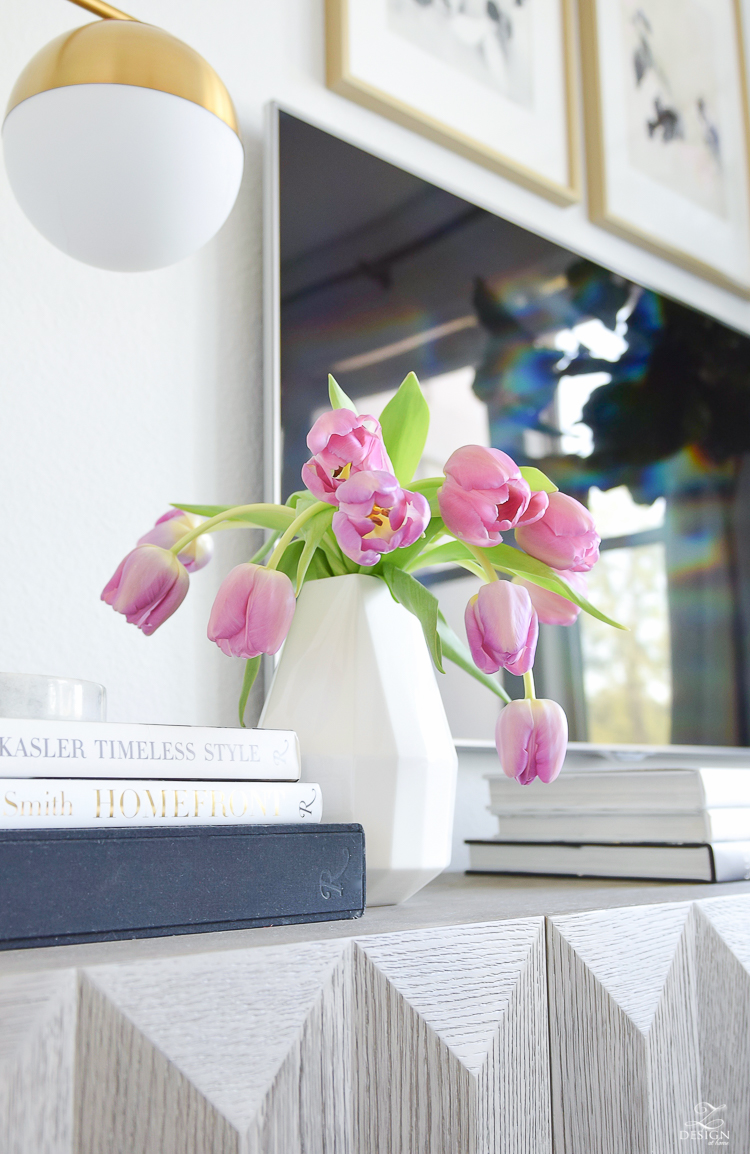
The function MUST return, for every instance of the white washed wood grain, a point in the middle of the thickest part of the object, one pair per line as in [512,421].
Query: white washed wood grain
[430,1041]
[452,1044]
[723,993]
[623,1033]
[37,1033]
[239,1047]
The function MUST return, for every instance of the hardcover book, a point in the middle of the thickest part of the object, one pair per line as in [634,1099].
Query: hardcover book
[637,790]
[61,803]
[87,885]
[727,861]
[703,826]
[111,749]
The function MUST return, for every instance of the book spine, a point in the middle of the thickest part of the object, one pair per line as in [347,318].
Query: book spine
[731,861]
[52,803]
[65,885]
[98,749]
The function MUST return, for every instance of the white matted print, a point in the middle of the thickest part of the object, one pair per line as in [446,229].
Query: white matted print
[667,141]
[489,78]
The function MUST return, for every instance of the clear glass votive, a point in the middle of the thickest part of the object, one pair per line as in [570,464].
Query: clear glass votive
[35,696]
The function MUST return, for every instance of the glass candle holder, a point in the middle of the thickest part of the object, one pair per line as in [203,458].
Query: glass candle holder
[35,696]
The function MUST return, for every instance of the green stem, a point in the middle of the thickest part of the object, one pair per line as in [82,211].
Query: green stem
[484,561]
[293,529]
[265,549]
[528,684]
[213,522]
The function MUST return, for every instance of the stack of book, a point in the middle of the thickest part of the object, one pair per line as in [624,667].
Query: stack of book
[111,830]
[687,824]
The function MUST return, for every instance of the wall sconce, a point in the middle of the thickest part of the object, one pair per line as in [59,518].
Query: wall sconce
[122,145]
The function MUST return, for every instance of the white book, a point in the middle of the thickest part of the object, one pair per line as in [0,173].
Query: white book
[73,749]
[591,755]
[633,790]
[55,803]
[709,825]
[726,862]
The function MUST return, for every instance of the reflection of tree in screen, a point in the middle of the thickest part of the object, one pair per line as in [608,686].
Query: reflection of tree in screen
[669,418]
[627,675]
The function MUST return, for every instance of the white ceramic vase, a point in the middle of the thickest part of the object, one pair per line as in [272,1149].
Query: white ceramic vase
[355,680]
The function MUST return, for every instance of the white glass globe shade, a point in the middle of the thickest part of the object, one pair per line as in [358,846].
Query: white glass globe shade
[119,176]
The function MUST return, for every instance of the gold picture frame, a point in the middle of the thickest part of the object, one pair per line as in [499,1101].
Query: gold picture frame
[677,245]
[343,78]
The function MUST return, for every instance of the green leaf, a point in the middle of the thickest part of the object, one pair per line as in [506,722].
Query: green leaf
[338,397]
[419,601]
[290,559]
[429,487]
[262,517]
[537,481]
[312,532]
[337,563]
[443,554]
[319,567]
[252,666]
[405,422]
[406,557]
[521,565]
[455,650]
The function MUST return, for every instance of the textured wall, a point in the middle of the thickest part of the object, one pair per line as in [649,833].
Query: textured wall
[121,392]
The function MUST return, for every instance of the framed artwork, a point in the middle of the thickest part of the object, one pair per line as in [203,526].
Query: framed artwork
[491,79]
[665,104]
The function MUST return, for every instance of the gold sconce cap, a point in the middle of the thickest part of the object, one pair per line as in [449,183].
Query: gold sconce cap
[125,52]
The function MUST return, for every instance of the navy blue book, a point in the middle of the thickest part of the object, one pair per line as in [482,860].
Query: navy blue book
[60,886]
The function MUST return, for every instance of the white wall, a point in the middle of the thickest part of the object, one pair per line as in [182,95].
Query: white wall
[119,393]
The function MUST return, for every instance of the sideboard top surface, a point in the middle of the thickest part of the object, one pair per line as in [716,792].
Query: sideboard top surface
[452,899]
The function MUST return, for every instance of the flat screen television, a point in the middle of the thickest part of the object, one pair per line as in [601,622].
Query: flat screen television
[631,401]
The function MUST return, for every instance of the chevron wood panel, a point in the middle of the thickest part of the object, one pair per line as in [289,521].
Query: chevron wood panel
[452,1041]
[37,1034]
[431,1041]
[624,1036]
[234,1053]
[723,985]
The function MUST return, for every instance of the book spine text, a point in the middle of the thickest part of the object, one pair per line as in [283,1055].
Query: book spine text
[53,803]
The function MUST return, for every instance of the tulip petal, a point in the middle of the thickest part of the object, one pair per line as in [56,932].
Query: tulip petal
[531,738]
[252,611]
[485,495]
[565,537]
[147,587]
[502,628]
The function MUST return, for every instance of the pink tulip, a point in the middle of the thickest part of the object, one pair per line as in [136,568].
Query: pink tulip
[502,628]
[484,495]
[376,515]
[342,443]
[552,608]
[167,532]
[252,611]
[148,586]
[531,737]
[565,537]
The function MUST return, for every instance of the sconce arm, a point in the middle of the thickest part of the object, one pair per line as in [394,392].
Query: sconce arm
[106,11]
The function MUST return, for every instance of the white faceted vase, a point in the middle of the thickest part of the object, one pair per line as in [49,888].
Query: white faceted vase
[355,681]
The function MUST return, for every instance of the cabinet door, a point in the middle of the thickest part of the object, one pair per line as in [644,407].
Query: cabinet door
[723,988]
[650,1027]
[452,1041]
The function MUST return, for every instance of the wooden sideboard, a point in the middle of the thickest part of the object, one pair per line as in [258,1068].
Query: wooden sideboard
[484,1015]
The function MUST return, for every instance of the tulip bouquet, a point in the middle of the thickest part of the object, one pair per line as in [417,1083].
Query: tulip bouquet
[361,511]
